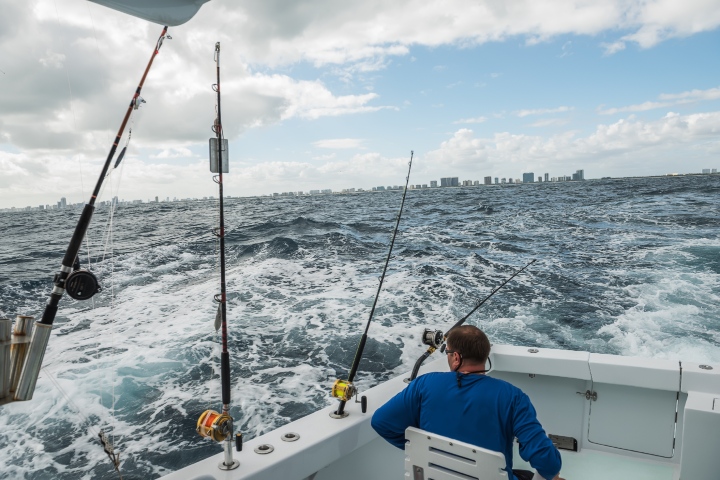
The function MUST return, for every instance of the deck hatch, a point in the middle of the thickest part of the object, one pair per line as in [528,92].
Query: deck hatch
[630,418]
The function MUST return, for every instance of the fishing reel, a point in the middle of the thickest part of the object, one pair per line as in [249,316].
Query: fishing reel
[343,390]
[214,425]
[82,285]
[433,338]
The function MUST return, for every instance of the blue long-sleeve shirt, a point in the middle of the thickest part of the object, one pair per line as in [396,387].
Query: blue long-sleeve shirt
[484,411]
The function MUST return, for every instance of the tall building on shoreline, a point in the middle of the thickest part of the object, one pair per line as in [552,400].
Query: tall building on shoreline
[449,182]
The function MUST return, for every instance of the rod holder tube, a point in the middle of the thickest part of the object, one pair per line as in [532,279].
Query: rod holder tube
[228,462]
[227,444]
[33,362]
[19,347]
[5,339]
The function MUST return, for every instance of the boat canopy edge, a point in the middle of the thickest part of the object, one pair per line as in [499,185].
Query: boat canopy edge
[163,12]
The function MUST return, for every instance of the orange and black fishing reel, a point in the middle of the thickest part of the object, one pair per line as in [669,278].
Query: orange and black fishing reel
[215,426]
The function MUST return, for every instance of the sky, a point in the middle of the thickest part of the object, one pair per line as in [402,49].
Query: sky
[323,94]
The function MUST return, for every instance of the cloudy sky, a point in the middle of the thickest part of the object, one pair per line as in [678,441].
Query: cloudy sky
[333,94]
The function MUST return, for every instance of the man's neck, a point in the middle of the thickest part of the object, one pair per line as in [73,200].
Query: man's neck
[466,369]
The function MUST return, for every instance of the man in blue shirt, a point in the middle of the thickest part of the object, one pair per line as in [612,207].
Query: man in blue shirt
[469,406]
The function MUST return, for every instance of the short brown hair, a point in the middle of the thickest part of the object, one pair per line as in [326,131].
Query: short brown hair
[470,342]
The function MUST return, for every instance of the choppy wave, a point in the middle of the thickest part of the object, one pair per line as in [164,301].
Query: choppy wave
[630,267]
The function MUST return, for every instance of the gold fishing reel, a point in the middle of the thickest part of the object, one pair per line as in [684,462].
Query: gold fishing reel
[343,390]
[214,425]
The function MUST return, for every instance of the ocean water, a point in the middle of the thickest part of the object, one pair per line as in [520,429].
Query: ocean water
[629,267]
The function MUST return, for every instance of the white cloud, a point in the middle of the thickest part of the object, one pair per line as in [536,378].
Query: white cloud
[70,67]
[329,156]
[543,111]
[329,32]
[52,60]
[173,152]
[613,47]
[360,171]
[628,146]
[660,20]
[609,146]
[667,100]
[566,49]
[693,95]
[471,120]
[339,143]
[549,122]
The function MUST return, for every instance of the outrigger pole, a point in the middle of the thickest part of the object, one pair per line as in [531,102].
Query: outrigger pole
[436,339]
[211,424]
[344,390]
[80,284]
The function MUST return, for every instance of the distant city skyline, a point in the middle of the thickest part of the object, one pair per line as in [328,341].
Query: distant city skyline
[451,182]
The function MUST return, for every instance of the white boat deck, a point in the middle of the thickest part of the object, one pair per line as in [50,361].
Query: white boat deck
[594,465]
[648,420]
[584,465]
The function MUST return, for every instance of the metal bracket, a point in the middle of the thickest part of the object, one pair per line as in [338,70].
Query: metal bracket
[589,395]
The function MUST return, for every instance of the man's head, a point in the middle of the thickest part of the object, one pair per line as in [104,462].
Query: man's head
[468,346]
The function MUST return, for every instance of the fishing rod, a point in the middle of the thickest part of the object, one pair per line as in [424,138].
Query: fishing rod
[79,284]
[436,339]
[344,390]
[211,424]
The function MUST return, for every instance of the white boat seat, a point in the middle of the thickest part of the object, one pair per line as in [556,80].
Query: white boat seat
[430,456]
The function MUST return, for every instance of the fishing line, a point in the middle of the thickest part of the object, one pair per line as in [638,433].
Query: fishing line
[72,109]
[78,283]
[69,400]
[107,81]
[344,390]
[63,393]
[436,339]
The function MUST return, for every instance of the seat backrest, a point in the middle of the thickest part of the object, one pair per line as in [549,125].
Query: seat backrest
[430,456]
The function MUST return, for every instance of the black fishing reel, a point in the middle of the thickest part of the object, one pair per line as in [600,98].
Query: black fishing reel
[82,285]
[433,338]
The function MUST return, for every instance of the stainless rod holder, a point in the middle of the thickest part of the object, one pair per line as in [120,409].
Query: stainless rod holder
[228,463]
[19,347]
[33,362]
[5,339]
